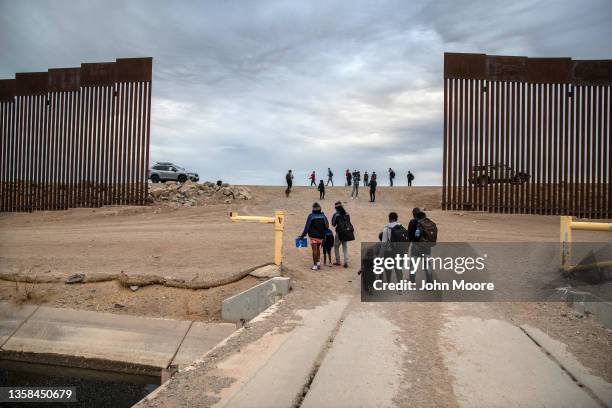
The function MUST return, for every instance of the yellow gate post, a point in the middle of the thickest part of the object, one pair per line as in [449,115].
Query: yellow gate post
[279,224]
[567,225]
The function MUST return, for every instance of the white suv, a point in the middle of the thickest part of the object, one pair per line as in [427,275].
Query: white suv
[171,172]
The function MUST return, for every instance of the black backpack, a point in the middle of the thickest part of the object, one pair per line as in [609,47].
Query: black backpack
[344,229]
[399,234]
[429,230]
[392,174]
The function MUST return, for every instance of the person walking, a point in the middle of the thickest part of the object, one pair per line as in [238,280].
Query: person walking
[315,227]
[373,185]
[391,176]
[313,179]
[330,177]
[344,232]
[356,179]
[366,179]
[289,180]
[321,189]
[410,178]
[394,232]
[348,177]
[419,247]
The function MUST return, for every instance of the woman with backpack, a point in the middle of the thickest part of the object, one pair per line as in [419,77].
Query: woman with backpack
[344,232]
[315,227]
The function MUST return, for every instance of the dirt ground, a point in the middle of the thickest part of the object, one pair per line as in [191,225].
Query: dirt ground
[201,243]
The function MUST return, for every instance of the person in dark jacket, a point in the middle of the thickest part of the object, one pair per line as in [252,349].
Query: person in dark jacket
[321,189]
[410,178]
[339,216]
[315,227]
[349,177]
[373,185]
[366,179]
[330,177]
[289,180]
[418,248]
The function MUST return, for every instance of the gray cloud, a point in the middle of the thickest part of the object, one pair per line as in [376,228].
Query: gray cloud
[245,90]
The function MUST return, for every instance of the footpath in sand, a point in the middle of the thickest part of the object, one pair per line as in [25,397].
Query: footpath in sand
[322,347]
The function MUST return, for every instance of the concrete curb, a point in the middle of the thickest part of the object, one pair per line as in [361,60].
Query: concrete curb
[597,387]
[246,305]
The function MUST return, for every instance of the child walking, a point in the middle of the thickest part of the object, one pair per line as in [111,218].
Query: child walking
[321,190]
[328,244]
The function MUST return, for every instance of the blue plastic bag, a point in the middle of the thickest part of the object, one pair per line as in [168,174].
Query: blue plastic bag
[301,242]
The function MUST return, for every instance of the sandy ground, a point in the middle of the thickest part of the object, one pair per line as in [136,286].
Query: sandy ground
[201,242]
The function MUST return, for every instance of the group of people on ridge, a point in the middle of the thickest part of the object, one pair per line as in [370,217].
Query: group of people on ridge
[352,179]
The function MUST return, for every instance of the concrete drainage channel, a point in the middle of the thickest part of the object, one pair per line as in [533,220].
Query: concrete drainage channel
[114,359]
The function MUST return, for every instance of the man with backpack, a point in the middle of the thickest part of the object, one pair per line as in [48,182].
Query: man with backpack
[410,178]
[391,176]
[394,232]
[344,232]
[330,177]
[366,179]
[423,235]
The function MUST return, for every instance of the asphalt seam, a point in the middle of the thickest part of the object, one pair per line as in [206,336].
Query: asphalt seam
[319,360]
[566,370]
[178,348]
[19,327]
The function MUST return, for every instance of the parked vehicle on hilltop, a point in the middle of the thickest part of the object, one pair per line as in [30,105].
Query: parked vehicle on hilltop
[163,171]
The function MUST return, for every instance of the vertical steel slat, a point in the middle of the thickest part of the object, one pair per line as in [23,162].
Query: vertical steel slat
[36,151]
[587,153]
[554,138]
[131,139]
[27,199]
[73,148]
[460,146]
[490,141]
[608,149]
[600,153]
[98,142]
[488,133]
[565,160]
[106,157]
[121,145]
[480,138]
[63,196]
[583,150]
[445,144]
[80,154]
[141,172]
[3,161]
[148,133]
[453,182]
[512,142]
[124,108]
[117,124]
[547,150]
[506,145]
[523,125]
[469,145]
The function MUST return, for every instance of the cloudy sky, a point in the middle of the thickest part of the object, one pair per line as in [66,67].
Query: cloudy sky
[244,90]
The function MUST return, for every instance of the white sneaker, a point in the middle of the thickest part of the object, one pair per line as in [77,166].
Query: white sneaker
[314,267]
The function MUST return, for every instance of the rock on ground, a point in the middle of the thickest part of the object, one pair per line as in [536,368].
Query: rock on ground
[190,194]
